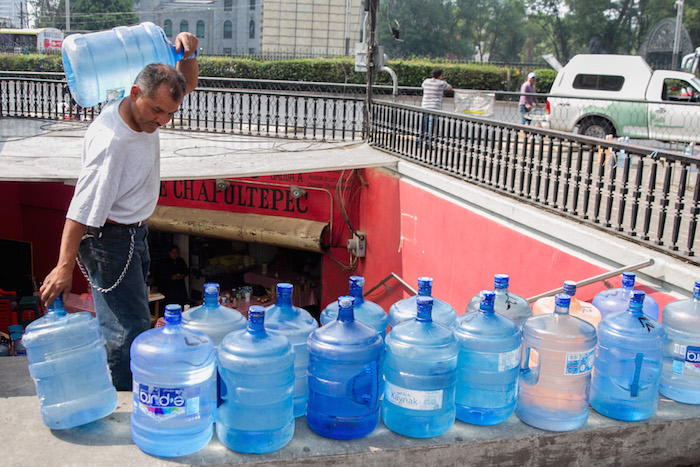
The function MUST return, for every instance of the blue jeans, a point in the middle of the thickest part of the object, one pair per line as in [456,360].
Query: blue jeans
[523,111]
[426,128]
[122,313]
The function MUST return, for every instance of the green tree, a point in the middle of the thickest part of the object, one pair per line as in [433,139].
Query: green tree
[86,15]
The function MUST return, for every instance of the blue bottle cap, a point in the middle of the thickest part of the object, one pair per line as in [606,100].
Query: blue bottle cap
[570,288]
[358,281]
[628,279]
[487,299]
[500,281]
[637,301]
[173,314]
[562,301]
[346,305]
[57,304]
[211,288]
[284,288]
[256,318]
[425,285]
[425,308]
[696,289]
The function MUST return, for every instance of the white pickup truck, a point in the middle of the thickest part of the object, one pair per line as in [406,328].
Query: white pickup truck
[595,94]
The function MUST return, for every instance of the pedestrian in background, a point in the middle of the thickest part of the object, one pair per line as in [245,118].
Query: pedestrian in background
[527,102]
[433,91]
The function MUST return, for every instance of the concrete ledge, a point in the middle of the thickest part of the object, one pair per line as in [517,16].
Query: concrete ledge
[668,438]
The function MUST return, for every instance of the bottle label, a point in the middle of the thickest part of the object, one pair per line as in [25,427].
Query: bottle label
[579,363]
[686,358]
[413,399]
[509,360]
[163,403]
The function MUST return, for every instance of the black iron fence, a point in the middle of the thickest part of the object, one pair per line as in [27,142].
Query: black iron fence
[645,195]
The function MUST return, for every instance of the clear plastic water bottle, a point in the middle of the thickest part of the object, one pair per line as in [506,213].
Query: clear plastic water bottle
[420,372]
[214,320]
[406,309]
[345,368]
[680,377]
[584,310]
[488,365]
[258,370]
[507,303]
[172,371]
[68,362]
[627,365]
[617,300]
[365,311]
[553,394]
[101,66]
[295,324]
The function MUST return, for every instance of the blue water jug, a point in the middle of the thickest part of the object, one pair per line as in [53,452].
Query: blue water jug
[553,392]
[172,371]
[258,370]
[680,377]
[344,373]
[295,324]
[627,364]
[365,311]
[617,300]
[406,309]
[68,362]
[488,365]
[214,320]
[420,373]
[506,303]
[101,66]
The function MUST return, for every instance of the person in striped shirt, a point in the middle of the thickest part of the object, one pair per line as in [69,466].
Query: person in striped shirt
[433,92]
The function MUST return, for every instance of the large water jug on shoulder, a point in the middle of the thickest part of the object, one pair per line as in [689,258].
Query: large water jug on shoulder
[101,66]
[68,362]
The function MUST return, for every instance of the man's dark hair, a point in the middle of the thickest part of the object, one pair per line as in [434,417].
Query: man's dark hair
[437,72]
[156,74]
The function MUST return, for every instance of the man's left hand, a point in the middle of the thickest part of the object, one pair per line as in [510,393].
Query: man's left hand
[187,40]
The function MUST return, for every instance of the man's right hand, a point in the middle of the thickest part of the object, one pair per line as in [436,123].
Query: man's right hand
[60,279]
[58,282]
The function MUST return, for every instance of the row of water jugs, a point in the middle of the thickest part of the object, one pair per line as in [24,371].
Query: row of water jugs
[431,368]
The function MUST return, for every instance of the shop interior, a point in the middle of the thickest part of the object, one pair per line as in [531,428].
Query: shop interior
[247,273]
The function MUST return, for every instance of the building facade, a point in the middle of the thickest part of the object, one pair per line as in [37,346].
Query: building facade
[270,28]
[13,14]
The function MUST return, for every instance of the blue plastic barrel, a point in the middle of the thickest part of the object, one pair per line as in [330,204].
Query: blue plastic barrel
[295,324]
[68,362]
[406,309]
[488,365]
[257,368]
[627,365]
[172,379]
[420,373]
[345,370]
[680,377]
[101,66]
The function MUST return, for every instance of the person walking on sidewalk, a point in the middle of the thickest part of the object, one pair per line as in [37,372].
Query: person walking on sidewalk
[117,191]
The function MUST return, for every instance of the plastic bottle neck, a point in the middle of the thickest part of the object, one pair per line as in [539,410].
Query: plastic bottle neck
[346,315]
[256,320]
[425,287]
[211,301]
[356,293]
[56,308]
[284,300]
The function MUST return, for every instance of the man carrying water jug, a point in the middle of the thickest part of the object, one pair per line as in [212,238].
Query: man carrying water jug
[116,192]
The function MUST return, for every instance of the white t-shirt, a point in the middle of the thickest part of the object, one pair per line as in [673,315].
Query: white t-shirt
[120,175]
[433,92]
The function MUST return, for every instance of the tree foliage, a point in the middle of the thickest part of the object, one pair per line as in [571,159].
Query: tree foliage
[85,15]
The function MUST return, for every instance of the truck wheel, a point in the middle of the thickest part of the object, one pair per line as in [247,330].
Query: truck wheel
[596,127]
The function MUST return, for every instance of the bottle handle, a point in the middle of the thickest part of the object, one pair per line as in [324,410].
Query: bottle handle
[363,388]
[634,387]
[181,54]
[527,374]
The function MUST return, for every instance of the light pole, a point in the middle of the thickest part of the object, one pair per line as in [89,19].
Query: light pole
[677,36]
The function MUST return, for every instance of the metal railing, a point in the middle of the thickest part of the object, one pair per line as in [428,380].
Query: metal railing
[645,195]
[327,117]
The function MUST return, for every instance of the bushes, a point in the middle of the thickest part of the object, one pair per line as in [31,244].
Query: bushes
[334,70]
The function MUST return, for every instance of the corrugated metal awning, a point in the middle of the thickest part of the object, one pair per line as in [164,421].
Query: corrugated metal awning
[40,150]
[299,234]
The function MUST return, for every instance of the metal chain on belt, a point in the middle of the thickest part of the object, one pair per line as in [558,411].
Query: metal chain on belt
[121,276]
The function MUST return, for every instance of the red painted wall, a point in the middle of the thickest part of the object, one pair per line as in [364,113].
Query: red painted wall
[11,224]
[415,233]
